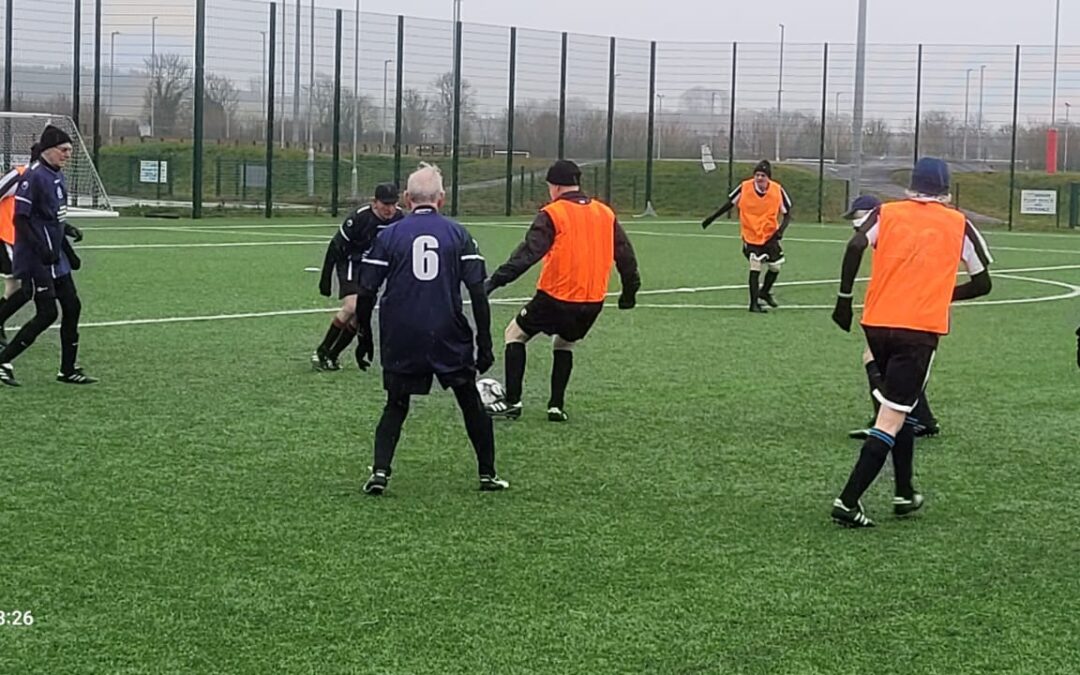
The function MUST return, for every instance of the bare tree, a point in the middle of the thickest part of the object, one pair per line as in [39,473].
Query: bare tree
[168,89]
[416,111]
[444,105]
[221,99]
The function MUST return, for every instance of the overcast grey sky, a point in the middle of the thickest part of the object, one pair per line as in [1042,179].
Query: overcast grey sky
[891,21]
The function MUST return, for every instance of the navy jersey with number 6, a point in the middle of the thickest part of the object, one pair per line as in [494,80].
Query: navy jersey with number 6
[424,259]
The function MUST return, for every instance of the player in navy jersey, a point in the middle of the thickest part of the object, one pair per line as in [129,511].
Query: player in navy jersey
[44,260]
[424,260]
[343,255]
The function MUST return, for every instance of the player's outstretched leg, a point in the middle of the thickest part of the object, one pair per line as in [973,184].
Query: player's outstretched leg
[766,287]
[907,500]
[561,368]
[514,362]
[71,311]
[481,434]
[876,382]
[847,509]
[45,315]
[387,435]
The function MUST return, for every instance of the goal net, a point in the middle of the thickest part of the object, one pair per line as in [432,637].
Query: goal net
[86,194]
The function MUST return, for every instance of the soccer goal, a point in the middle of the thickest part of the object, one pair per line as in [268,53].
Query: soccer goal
[86,194]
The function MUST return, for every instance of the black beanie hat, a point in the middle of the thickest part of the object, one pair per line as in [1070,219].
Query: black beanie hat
[564,173]
[35,153]
[764,167]
[52,137]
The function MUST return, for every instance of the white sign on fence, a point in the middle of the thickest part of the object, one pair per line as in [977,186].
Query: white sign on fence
[148,172]
[1038,202]
[707,161]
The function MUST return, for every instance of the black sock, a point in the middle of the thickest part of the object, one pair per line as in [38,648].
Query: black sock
[755,288]
[345,338]
[71,311]
[903,455]
[770,279]
[873,376]
[561,368]
[515,371]
[874,453]
[332,335]
[388,432]
[479,427]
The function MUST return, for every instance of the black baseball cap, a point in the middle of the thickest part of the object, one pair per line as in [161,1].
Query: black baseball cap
[564,173]
[387,193]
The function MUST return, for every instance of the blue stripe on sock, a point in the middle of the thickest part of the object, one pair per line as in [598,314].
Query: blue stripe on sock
[883,437]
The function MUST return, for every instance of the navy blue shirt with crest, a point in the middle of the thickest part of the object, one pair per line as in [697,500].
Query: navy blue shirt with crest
[42,197]
[424,260]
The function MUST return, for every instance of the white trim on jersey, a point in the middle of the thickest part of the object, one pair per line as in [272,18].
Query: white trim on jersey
[377,263]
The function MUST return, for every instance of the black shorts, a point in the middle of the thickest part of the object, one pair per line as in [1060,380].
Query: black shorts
[904,358]
[5,259]
[770,252]
[571,321]
[413,384]
[348,274]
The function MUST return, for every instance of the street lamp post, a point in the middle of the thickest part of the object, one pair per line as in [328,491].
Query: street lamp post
[780,93]
[112,78]
[154,70]
[385,90]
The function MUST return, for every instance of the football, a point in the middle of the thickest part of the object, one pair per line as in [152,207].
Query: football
[491,391]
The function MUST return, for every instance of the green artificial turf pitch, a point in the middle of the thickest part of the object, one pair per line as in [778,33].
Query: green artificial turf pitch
[200,510]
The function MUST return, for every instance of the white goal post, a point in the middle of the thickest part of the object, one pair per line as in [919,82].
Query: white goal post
[86,194]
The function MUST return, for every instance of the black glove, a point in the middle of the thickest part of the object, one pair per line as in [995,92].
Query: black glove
[73,258]
[50,257]
[365,349]
[489,287]
[627,300]
[324,286]
[485,359]
[708,221]
[842,316]
[1078,347]
[73,232]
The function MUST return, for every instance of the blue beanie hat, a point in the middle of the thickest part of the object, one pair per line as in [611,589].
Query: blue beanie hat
[931,177]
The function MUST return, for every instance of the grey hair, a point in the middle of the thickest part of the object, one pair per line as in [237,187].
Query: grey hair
[919,197]
[425,186]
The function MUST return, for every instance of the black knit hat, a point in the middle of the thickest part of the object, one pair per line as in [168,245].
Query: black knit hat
[35,153]
[763,167]
[52,137]
[564,173]
[387,193]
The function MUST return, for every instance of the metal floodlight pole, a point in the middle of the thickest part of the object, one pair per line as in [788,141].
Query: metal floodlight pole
[311,107]
[296,79]
[154,71]
[262,84]
[858,103]
[780,93]
[112,78]
[982,81]
[1054,87]
[1068,107]
[355,174]
[76,88]
[967,106]
[97,87]
[269,194]
[284,20]
[385,95]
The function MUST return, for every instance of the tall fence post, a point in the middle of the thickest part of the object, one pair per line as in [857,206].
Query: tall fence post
[400,102]
[731,120]
[510,111]
[1015,122]
[651,142]
[918,106]
[455,161]
[97,86]
[200,71]
[270,76]
[821,146]
[610,158]
[9,36]
[335,165]
[562,96]
[76,44]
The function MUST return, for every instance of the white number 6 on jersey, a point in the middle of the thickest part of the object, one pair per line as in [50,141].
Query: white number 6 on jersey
[425,258]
